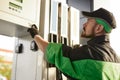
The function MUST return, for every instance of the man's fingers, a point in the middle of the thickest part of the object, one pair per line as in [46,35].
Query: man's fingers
[34,26]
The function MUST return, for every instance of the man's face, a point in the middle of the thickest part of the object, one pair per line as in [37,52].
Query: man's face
[89,28]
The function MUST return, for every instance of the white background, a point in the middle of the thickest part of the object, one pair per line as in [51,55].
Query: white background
[112,6]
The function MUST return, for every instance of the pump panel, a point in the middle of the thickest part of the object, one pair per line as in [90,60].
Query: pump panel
[22,12]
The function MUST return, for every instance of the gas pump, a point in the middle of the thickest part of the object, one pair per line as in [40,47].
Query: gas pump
[56,23]
[16,16]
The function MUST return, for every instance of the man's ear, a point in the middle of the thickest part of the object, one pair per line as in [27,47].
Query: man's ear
[99,28]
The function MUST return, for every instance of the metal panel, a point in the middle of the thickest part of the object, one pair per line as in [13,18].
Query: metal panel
[63,23]
[26,62]
[74,26]
[21,12]
[64,20]
[44,19]
[54,17]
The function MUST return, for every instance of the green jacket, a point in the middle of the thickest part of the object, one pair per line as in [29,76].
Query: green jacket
[82,68]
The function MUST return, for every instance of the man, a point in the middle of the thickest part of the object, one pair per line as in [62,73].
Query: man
[94,61]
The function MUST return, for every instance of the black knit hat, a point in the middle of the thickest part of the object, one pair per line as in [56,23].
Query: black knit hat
[102,14]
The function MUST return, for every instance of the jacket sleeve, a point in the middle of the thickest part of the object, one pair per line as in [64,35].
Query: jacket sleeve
[55,56]
[81,69]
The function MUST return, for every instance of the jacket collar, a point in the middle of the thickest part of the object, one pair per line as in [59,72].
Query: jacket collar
[99,39]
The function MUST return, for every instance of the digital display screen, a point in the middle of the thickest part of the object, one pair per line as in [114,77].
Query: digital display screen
[15,5]
[21,1]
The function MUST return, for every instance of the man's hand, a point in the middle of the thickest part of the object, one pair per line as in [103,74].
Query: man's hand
[33,30]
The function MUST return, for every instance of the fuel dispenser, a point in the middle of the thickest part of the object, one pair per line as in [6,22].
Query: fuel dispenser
[57,22]
[16,16]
